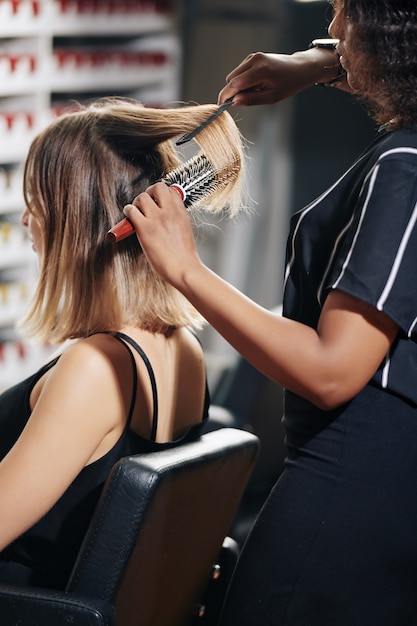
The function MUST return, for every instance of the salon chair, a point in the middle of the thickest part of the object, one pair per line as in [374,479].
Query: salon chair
[152,553]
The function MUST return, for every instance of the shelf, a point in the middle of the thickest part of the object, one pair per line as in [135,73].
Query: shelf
[11,203]
[19,257]
[53,52]
[71,68]
[19,359]
[48,19]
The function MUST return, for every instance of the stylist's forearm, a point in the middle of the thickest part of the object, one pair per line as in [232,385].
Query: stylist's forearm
[286,351]
[278,347]
[266,78]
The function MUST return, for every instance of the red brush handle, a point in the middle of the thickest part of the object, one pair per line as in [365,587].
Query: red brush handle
[125,228]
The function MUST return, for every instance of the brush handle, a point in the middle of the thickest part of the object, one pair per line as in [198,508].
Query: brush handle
[125,228]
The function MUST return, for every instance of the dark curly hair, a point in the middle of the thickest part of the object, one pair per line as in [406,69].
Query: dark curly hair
[383,57]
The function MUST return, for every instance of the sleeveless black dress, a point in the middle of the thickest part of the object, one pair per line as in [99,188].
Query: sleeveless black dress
[44,555]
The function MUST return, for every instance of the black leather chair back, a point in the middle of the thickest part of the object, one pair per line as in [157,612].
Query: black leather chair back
[160,525]
[158,530]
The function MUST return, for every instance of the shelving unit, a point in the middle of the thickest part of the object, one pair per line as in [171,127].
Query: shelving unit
[53,52]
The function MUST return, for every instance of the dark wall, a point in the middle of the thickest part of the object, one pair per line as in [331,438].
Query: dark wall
[330,128]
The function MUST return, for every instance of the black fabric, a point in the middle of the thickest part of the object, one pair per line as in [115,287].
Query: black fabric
[336,542]
[156,532]
[44,555]
[160,524]
[360,237]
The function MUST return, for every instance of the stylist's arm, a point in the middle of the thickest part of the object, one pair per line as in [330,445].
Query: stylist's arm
[328,366]
[267,78]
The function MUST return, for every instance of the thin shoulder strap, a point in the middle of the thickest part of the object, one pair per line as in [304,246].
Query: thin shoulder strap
[126,339]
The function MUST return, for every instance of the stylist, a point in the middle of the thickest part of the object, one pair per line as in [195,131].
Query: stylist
[336,542]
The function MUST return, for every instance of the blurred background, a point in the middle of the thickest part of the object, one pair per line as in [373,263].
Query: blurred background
[164,52]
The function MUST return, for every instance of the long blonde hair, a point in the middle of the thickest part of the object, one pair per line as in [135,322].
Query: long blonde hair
[79,174]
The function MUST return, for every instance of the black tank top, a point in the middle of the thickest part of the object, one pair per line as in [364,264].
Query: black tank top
[44,555]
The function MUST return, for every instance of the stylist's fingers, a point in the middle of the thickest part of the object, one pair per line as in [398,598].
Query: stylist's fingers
[154,195]
[241,69]
[158,213]
[164,230]
[138,207]
[165,196]
[157,197]
[236,81]
[243,89]
[249,97]
[242,83]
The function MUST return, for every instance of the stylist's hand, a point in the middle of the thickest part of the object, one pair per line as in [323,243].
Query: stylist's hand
[164,230]
[265,78]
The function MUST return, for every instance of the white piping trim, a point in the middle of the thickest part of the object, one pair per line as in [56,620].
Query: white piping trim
[342,232]
[398,259]
[385,371]
[303,215]
[402,150]
[364,209]
[410,330]
[398,151]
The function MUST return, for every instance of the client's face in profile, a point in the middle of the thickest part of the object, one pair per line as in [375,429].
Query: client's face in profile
[33,229]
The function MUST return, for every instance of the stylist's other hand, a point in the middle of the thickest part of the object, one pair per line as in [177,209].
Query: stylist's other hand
[164,230]
[267,78]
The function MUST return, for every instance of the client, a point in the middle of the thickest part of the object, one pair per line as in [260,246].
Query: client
[130,376]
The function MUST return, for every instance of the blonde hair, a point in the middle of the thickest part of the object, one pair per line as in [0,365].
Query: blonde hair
[79,174]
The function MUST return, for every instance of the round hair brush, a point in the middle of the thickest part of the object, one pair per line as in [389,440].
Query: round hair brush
[195,181]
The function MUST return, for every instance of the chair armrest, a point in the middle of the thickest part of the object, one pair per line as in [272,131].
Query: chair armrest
[30,606]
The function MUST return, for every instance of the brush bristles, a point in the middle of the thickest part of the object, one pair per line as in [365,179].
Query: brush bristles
[201,186]
[199,180]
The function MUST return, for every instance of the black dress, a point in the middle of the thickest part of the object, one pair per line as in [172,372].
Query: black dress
[45,554]
[336,541]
